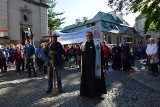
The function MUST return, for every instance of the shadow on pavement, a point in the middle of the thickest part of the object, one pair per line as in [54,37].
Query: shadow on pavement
[21,91]
[121,91]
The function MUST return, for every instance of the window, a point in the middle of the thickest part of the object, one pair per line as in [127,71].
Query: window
[111,26]
[25,18]
[109,40]
[117,39]
[43,1]
[89,25]
[93,24]
[129,39]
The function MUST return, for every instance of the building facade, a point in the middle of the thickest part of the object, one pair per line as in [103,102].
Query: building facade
[139,26]
[22,19]
[112,26]
[3,22]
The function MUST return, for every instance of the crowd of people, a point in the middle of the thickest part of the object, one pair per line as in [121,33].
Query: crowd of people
[122,55]
[18,56]
[28,57]
[92,57]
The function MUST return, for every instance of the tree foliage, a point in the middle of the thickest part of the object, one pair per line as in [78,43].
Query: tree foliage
[148,8]
[53,21]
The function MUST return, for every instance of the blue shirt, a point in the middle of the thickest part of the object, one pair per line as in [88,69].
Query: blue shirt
[29,50]
[38,52]
[6,52]
[42,51]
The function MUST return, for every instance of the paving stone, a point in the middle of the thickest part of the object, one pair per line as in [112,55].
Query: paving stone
[21,91]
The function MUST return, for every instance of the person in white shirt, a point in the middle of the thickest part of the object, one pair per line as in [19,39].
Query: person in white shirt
[152,51]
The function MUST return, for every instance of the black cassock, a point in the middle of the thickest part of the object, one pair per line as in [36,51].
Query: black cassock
[117,58]
[90,86]
[125,57]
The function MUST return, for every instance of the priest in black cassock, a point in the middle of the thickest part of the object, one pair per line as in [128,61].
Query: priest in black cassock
[116,65]
[125,56]
[91,86]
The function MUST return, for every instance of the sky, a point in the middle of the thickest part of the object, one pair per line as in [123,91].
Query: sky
[85,8]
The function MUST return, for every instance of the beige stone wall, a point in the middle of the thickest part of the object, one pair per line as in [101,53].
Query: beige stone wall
[44,22]
[3,17]
[139,26]
[38,19]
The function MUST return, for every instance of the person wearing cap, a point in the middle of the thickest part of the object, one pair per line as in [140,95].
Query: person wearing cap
[57,54]
[29,51]
[152,53]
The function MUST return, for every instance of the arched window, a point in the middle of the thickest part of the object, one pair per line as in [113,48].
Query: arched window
[43,1]
[25,18]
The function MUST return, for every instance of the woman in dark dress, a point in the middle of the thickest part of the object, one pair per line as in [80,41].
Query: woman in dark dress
[90,85]
[116,57]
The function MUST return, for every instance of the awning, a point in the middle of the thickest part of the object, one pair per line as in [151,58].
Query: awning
[1,30]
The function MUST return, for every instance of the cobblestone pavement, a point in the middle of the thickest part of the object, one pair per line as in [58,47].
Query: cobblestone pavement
[142,75]
[21,91]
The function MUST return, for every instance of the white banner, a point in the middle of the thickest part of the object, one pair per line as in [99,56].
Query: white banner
[98,60]
[78,37]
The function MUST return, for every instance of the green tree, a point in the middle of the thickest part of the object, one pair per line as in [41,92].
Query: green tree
[53,21]
[148,8]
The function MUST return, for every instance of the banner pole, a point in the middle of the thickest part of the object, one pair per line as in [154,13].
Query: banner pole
[54,78]
[54,75]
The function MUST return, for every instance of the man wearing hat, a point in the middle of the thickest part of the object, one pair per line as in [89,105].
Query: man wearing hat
[57,49]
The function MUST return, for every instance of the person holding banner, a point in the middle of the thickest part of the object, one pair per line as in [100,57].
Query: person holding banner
[92,77]
[57,54]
